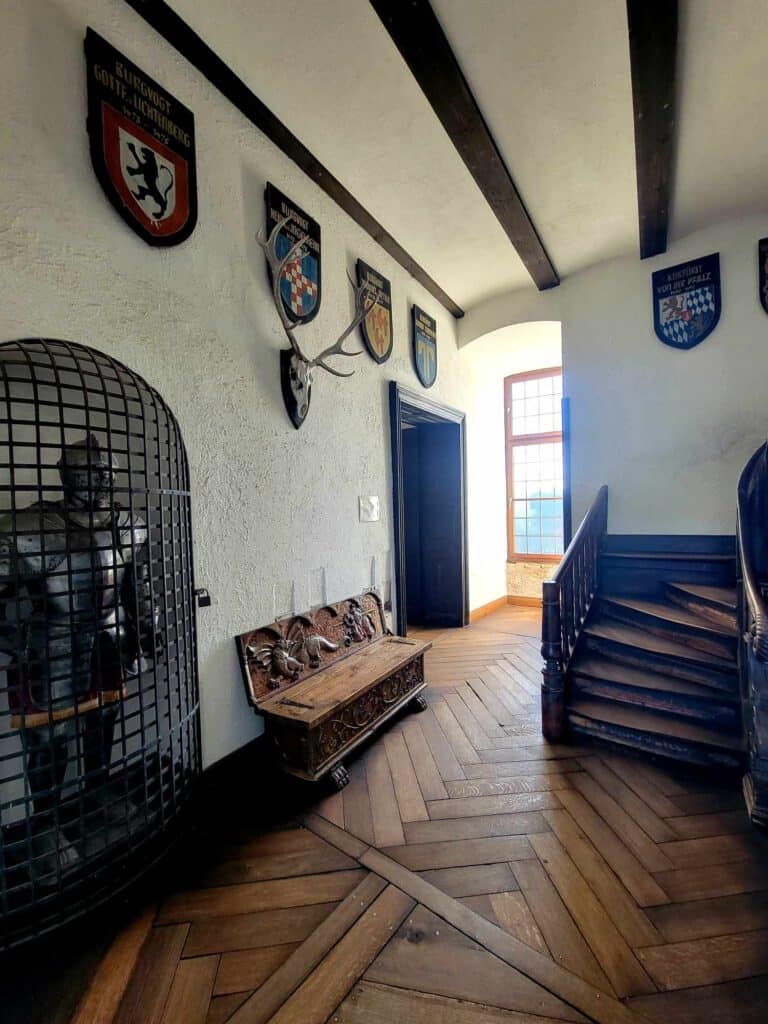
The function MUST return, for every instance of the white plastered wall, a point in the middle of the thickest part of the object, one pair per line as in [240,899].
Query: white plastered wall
[271,506]
[669,431]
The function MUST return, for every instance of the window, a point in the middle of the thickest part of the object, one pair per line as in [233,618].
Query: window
[534,441]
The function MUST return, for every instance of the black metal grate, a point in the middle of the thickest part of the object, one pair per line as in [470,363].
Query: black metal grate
[99,712]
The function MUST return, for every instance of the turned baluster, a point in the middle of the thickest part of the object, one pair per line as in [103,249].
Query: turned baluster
[553,685]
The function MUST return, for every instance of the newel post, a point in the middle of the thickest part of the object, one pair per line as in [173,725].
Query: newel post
[553,685]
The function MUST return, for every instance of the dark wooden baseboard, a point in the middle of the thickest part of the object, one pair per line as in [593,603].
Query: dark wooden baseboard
[522,601]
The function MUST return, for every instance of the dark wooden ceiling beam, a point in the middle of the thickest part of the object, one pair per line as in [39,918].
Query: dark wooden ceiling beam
[419,37]
[183,38]
[653,58]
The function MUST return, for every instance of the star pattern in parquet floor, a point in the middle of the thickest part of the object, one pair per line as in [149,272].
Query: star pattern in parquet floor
[470,873]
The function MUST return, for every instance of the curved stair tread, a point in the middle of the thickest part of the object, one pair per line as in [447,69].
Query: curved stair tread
[723,598]
[595,667]
[642,720]
[632,636]
[672,615]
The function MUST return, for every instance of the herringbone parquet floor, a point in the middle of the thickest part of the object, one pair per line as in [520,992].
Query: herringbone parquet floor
[470,873]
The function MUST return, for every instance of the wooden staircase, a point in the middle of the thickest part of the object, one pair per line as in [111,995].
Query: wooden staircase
[659,674]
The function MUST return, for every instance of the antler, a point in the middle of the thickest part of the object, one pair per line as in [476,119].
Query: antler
[365,300]
[277,265]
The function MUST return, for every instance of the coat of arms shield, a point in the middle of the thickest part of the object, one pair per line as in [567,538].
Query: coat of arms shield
[424,338]
[687,301]
[376,328]
[300,284]
[142,143]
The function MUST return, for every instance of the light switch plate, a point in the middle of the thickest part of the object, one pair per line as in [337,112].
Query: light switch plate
[369,508]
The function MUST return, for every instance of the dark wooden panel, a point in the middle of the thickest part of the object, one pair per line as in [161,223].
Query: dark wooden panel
[189,44]
[420,39]
[653,51]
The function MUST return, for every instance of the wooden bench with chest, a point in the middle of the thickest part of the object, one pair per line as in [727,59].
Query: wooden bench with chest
[326,680]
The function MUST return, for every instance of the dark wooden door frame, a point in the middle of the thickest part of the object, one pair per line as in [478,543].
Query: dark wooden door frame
[405,406]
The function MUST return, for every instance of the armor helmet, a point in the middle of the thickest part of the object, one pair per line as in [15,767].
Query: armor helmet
[87,472]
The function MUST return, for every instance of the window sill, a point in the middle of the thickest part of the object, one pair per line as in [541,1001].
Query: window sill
[512,559]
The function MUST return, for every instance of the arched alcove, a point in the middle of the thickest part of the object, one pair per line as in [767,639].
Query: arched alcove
[99,713]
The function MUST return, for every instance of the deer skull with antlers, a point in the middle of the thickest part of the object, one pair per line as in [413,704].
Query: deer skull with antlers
[296,369]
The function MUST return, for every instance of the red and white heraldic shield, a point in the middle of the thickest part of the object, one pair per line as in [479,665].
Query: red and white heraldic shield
[142,143]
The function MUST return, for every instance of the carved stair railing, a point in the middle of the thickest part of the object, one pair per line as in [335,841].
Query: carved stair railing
[753,632]
[566,600]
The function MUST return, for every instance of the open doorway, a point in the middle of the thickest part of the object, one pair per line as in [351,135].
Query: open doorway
[430,522]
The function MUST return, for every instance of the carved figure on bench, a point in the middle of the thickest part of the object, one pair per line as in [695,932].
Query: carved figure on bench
[358,623]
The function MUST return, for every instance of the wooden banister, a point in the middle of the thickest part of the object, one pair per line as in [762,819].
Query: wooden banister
[566,600]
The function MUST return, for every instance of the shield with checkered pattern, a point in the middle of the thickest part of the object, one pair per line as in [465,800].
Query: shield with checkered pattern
[687,301]
[300,282]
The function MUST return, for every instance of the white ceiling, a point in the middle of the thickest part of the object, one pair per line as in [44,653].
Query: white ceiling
[552,78]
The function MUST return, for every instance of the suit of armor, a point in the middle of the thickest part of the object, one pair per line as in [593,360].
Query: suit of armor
[76,613]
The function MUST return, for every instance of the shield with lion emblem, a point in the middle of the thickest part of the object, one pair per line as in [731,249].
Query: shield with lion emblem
[686,301]
[142,143]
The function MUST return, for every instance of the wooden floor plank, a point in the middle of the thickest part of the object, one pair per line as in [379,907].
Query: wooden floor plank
[147,991]
[462,852]
[250,931]
[630,919]
[736,1002]
[358,818]
[430,782]
[528,783]
[107,986]
[500,704]
[387,827]
[629,773]
[512,913]
[707,961]
[407,791]
[719,880]
[322,857]
[190,994]
[514,769]
[564,940]
[507,804]
[319,995]
[627,798]
[441,750]
[449,965]
[370,1003]
[455,734]
[222,1007]
[227,900]
[699,919]
[489,723]
[446,829]
[712,850]
[247,969]
[261,1007]
[614,955]
[641,884]
[474,881]
[698,826]
[632,835]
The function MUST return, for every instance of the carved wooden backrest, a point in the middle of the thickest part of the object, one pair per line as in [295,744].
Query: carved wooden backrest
[278,656]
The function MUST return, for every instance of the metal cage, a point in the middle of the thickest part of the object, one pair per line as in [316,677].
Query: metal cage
[99,709]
